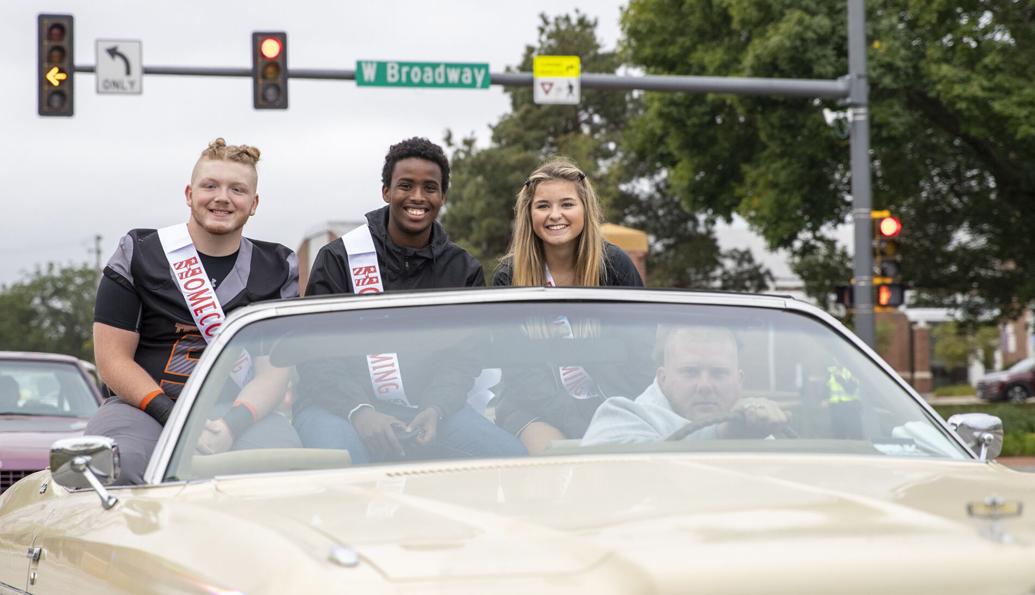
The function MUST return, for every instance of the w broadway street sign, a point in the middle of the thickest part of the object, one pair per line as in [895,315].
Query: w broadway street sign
[444,75]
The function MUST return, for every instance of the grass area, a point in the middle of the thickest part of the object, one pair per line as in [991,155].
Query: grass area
[954,390]
[1018,424]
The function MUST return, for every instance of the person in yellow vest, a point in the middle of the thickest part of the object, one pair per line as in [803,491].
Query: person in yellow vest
[843,402]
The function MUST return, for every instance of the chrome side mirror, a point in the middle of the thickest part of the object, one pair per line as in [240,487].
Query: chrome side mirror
[86,462]
[982,432]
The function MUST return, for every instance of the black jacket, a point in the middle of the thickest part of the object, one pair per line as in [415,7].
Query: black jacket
[439,264]
[530,393]
[441,377]
[619,270]
[534,393]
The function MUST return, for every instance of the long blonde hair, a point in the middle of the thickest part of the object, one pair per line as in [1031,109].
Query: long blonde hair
[526,255]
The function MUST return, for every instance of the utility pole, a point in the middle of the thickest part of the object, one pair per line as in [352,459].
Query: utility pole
[859,110]
[97,253]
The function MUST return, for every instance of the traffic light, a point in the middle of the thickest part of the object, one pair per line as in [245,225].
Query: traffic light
[890,295]
[886,264]
[55,65]
[269,70]
[843,295]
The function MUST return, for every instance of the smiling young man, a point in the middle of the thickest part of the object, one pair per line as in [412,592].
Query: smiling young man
[164,295]
[346,404]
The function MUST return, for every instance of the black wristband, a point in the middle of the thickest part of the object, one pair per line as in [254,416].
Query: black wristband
[160,407]
[238,419]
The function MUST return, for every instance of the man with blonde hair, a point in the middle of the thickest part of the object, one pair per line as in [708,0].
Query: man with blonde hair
[164,295]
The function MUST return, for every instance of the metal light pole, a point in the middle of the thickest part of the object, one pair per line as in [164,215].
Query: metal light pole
[859,109]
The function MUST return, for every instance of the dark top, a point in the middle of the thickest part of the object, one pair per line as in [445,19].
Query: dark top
[528,394]
[619,270]
[439,264]
[441,378]
[138,293]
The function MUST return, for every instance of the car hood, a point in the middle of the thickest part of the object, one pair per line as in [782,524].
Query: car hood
[25,440]
[994,377]
[725,523]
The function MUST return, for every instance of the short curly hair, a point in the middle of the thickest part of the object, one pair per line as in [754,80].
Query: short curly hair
[420,148]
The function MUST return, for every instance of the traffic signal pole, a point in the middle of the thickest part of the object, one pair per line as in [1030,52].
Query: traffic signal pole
[853,88]
[859,106]
[830,89]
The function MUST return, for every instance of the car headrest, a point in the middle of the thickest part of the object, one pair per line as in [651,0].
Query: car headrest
[9,394]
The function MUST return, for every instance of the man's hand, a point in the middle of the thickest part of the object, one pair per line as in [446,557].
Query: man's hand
[215,438]
[377,432]
[426,424]
[754,417]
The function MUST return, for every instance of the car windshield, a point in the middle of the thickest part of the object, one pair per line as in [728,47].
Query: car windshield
[44,388]
[1023,365]
[375,386]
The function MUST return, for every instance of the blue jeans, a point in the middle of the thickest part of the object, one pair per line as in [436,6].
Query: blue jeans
[465,434]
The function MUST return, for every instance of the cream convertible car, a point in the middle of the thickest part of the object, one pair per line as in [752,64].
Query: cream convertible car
[851,485]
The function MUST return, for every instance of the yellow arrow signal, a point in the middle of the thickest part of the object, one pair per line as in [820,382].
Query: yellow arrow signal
[55,76]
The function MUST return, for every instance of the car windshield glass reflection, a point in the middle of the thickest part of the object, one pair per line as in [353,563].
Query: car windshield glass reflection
[42,388]
[510,380]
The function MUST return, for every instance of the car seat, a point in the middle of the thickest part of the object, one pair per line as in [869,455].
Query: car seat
[9,394]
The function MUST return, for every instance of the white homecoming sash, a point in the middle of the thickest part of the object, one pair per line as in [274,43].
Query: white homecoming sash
[196,288]
[549,279]
[384,370]
[576,379]
[366,275]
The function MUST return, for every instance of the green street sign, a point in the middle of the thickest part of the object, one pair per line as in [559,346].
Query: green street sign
[442,75]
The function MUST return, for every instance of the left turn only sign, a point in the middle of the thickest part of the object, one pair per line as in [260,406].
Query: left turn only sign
[119,67]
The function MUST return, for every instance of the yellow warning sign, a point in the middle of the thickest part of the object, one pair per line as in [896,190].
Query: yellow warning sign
[556,67]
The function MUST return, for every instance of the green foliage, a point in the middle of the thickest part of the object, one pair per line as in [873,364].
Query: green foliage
[822,265]
[952,118]
[954,344]
[1018,424]
[954,390]
[51,310]
[480,209]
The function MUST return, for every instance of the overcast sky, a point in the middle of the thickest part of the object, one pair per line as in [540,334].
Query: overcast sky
[122,161]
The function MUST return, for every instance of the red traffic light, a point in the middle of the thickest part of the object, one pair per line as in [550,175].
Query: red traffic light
[889,227]
[269,70]
[270,48]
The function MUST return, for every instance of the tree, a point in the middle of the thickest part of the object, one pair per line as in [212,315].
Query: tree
[479,213]
[51,311]
[952,116]
[486,181]
[822,265]
[955,344]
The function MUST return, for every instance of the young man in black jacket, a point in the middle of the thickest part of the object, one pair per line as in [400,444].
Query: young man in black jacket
[343,403]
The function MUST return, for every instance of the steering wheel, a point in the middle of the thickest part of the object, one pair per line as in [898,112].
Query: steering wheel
[693,426]
[690,427]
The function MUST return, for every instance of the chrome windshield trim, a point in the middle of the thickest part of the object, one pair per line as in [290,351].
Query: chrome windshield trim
[242,317]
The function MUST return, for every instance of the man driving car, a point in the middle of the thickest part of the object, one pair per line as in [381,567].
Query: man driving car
[697,387]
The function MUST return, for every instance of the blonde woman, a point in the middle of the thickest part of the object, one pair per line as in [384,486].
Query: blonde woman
[557,235]
[558,242]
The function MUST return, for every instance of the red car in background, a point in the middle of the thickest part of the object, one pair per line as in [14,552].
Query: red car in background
[43,397]
[1014,384]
